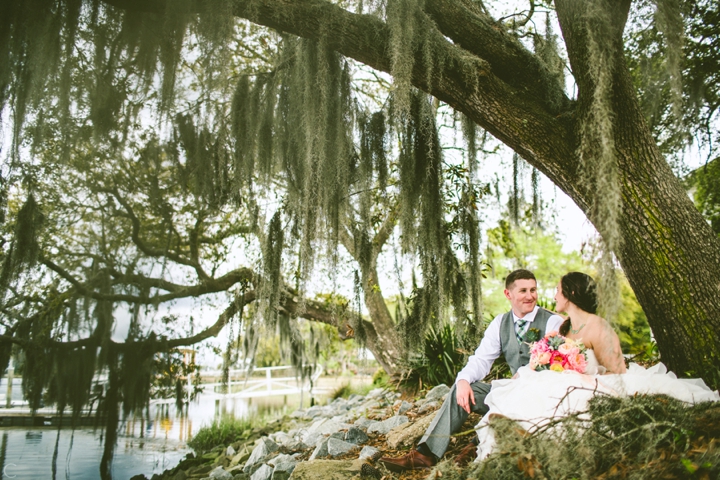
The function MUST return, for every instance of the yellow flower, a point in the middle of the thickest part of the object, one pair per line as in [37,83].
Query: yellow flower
[556,367]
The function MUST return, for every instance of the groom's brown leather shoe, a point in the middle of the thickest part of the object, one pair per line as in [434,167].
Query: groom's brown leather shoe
[412,461]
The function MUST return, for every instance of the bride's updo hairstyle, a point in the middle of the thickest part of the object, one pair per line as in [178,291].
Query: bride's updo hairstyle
[580,289]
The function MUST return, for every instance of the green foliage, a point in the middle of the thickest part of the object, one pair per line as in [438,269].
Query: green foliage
[631,323]
[222,432]
[706,183]
[380,378]
[678,83]
[525,246]
[438,362]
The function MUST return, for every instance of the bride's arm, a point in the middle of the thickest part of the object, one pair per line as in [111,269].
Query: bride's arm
[607,349]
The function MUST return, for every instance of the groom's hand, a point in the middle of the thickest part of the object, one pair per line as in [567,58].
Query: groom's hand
[465,395]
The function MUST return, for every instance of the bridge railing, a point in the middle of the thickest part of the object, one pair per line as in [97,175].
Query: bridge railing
[252,386]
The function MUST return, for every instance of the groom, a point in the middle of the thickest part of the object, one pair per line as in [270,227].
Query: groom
[506,335]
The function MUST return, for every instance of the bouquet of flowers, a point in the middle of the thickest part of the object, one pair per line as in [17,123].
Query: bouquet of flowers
[558,353]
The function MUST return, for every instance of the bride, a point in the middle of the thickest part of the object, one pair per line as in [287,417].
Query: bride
[534,398]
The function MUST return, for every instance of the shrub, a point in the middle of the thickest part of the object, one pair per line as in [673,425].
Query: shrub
[223,432]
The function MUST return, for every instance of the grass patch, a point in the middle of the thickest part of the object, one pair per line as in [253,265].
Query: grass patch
[346,390]
[223,432]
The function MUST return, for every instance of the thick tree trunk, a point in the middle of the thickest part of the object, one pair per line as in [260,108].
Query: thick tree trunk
[670,255]
[668,251]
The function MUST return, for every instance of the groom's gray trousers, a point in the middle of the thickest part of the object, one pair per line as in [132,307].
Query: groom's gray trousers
[450,418]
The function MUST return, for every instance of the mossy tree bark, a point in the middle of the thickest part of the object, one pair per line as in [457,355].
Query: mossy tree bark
[669,253]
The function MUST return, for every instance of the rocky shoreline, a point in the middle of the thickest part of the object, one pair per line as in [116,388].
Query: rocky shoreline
[336,441]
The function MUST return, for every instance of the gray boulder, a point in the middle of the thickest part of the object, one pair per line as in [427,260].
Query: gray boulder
[321,450]
[265,472]
[356,436]
[368,452]
[283,464]
[428,406]
[385,426]
[404,407]
[365,423]
[437,393]
[219,473]
[338,447]
[264,448]
[312,439]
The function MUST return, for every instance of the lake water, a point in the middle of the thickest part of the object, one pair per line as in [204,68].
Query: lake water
[145,445]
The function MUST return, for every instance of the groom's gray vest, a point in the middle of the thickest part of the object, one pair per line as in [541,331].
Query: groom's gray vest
[518,354]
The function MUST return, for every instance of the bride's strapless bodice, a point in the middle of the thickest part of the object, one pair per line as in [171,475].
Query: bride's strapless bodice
[593,366]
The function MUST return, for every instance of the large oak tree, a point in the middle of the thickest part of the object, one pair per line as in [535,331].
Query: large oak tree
[596,147]
[667,250]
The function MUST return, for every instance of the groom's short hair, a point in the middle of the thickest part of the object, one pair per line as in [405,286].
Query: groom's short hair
[519,274]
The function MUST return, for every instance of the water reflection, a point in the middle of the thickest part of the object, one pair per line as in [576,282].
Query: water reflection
[146,444]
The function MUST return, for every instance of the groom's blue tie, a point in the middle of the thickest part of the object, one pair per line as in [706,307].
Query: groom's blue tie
[520,329]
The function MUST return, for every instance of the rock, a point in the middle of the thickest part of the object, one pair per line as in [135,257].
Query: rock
[200,470]
[356,436]
[263,473]
[180,475]
[313,439]
[336,447]
[264,447]
[368,452]
[241,457]
[437,393]
[326,470]
[230,452]
[387,425]
[321,450]
[404,407]
[220,474]
[376,393]
[296,445]
[284,466]
[211,455]
[407,434]
[429,406]
[364,422]
[241,476]
[314,411]
[281,438]
[328,427]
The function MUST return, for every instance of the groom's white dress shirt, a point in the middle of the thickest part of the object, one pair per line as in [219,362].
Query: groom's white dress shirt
[480,363]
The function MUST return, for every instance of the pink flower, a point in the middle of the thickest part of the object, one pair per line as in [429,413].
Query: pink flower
[567,349]
[544,358]
[577,362]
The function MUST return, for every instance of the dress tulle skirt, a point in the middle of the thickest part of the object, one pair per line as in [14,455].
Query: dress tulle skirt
[534,398]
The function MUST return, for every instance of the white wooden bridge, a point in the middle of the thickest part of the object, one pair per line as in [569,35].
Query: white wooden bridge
[249,386]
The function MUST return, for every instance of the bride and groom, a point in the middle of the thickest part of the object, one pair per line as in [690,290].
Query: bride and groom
[532,396]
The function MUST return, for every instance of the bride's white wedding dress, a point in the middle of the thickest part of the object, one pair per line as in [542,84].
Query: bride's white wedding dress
[534,398]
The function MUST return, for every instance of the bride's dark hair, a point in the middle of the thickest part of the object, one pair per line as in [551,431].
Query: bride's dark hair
[581,290]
